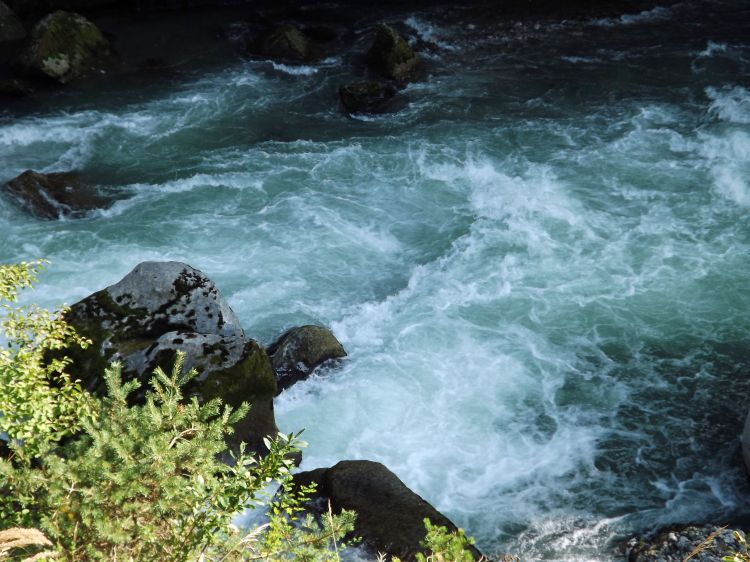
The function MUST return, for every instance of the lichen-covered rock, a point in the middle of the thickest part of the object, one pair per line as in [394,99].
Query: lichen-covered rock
[160,308]
[51,196]
[391,55]
[675,544]
[390,517]
[287,44]
[367,97]
[64,46]
[298,352]
[11,28]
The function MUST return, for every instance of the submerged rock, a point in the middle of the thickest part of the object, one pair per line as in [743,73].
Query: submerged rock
[367,97]
[11,28]
[391,55]
[675,544]
[287,44]
[298,352]
[390,517]
[51,196]
[162,307]
[64,46]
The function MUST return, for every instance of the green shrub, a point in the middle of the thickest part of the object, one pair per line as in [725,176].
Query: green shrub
[105,480]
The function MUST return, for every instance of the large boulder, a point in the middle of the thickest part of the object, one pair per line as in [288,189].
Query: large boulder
[51,196]
[390,517]
[11,28]
[299,351]
[367,97]
[64,46]
[160,308]
[391,55]
[676,544]
[287,44]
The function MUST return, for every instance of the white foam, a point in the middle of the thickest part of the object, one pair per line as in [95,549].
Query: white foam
[430,33]
[653,15]
[730,104]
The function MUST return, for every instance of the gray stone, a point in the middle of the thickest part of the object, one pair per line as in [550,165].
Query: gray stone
[675,544]
[160,308]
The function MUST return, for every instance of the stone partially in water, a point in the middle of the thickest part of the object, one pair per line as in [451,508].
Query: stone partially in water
[64,46]
[287,44]
[391,55]
[390,517]
[160,308]
[298,352]
[367,97]
[51,196]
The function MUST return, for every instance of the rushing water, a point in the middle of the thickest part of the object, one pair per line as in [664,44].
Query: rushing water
[539,266]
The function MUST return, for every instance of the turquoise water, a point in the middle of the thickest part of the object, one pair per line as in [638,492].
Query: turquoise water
[539,266]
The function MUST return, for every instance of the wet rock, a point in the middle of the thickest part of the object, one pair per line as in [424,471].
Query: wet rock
[675,544]
[51,196]
[287,44]
[160,308]
[367,97]
[11,28]
[15,88]
[745,441]
[390,517]
[298,352]
[391,56]
[64,46]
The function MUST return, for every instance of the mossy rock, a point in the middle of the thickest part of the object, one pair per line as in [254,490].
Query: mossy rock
[299,351]
[391,55]
[160,308]
[288,44]
[64,46]
[367,97]
[56,195]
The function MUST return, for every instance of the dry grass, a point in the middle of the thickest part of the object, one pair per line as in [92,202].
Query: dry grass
[17,537]
[705,544]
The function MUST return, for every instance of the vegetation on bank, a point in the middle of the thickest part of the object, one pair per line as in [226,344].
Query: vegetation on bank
[97,478]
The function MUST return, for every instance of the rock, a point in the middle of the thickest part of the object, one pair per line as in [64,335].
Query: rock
[391,55]
[11,28]
[298,352]
[745,440]
[390,517]
[366,97]
[287,44]
[64,46]
[15,88]
[162,307]
[51,196]
[675,544]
